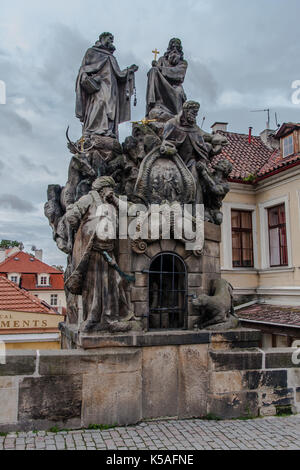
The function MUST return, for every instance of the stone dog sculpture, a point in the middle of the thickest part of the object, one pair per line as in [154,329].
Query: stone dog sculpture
[217,308]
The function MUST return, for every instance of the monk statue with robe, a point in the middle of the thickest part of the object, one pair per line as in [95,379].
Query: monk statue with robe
[103,90]
[94,272]
[165,93]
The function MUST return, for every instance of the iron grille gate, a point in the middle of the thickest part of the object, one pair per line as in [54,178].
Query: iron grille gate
[167,292]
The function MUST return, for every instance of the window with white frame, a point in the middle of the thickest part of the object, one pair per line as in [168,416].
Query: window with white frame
[276,249]
[288,146]
[14,279]
[54,300]
[239,236]
[277,236]
[43,280]
[242,239]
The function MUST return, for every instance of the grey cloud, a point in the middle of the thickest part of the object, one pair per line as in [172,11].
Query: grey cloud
[10,201]
[200,83]
[31,166]
[12,124]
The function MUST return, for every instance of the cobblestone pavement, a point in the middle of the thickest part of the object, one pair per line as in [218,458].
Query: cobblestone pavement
[268,433]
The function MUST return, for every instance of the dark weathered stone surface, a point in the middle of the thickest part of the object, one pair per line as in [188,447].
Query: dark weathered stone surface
[236,360]
[279,358]
[253,380]
[53,398]
[277,397]
[18,363]
[234,405]
[239,338]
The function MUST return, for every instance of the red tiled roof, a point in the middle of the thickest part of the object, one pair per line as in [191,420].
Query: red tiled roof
[253,158]
[276,162]
[18,300]
[246,158]
[24,263]
[282,315]
[29,282]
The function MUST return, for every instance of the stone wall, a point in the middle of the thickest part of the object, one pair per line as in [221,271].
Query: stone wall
[180,374]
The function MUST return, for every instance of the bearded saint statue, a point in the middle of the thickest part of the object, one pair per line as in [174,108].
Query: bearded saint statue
[165,93]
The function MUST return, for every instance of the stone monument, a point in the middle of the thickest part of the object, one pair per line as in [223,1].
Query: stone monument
[131,268]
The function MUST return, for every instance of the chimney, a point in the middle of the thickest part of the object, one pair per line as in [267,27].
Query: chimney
[219,126]
[38,254]
[250,134]
[2,255]
[267,136]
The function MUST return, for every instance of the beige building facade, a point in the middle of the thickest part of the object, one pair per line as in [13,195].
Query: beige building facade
[260,252]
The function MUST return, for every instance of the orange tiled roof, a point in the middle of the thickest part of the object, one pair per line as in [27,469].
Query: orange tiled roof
[18,300]
[29,282]
[253,158]
[23,262]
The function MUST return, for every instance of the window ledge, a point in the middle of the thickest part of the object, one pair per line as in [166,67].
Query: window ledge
[283,269]
[240,270]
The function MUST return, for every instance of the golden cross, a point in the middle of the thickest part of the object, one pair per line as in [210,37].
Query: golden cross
[82,142]
[144,121]
[155,52]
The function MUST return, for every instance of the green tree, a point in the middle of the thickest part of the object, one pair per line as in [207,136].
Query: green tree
[9,244]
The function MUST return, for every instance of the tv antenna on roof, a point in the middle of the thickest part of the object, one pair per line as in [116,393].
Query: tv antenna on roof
[264,111]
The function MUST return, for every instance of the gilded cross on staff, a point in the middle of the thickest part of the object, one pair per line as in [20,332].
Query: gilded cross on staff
[155,52]
[82,142]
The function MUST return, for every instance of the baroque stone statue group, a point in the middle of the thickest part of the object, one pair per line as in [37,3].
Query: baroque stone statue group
[115,285]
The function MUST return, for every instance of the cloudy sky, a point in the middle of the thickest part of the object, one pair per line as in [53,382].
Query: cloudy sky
[242,56]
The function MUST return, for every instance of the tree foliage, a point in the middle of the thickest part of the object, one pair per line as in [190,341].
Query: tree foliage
[7,244]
